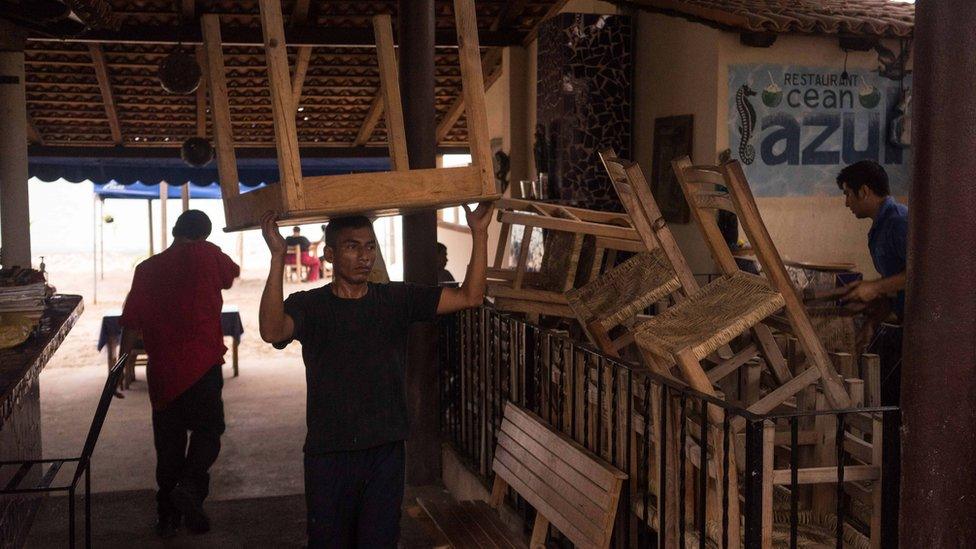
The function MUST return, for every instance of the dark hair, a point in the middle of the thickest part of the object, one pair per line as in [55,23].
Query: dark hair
[296,229]
[865,172]
[192,225]
[441,247]
[340,224]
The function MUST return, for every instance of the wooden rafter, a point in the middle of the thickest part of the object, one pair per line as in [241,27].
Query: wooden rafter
[188,8]
[201,107]
[299,15]
[510,12]
[105,86]
[555,8]
[32,134]
[492,65]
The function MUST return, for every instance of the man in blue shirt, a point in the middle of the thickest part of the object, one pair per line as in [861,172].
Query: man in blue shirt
[866,193]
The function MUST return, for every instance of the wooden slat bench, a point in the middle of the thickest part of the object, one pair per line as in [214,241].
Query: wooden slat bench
[570,488]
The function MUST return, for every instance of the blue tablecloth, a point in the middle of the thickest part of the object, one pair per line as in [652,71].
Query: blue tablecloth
[230,323]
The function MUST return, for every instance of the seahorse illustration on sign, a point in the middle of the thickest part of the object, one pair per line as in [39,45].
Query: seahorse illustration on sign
[747,123]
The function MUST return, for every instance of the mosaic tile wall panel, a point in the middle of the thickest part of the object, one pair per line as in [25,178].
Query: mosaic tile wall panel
[584,104]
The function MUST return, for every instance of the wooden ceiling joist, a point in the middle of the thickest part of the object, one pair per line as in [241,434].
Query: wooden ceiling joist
[492,62]
[188,9]
[105,86]
[315,36]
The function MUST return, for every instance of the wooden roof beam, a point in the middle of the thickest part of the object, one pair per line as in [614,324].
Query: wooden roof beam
[554,9]
[105,86]
[33,136]
[492,62]
[298,36]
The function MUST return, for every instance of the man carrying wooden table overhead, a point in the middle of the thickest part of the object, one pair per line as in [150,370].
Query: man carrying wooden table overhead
[353,335]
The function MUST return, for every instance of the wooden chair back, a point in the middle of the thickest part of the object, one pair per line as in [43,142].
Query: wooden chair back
[635,195]
[570,488]
[294,267]
[700,185]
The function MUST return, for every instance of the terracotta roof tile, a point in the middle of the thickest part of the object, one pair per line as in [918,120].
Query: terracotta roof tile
[850,17]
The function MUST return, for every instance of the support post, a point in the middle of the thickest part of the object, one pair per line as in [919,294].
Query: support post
[416,66]
[939,367]
[14,204]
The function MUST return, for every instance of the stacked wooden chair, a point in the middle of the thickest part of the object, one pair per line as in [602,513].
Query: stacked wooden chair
[296,199]
[578,242]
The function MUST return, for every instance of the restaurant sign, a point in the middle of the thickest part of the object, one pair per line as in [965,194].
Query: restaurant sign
[793,128]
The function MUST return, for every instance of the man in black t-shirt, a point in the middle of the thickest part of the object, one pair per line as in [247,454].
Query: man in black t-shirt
[353,335]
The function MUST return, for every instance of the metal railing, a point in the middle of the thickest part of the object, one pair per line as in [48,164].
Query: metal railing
[660,431]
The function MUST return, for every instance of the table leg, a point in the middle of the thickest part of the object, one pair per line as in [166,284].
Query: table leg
[234,354]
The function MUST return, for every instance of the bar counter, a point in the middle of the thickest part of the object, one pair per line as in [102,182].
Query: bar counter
[20,408]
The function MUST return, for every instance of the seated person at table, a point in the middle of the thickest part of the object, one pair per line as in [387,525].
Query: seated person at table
[175,303]
[308,260]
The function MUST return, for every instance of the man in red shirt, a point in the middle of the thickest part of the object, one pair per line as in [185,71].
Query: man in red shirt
[174,306]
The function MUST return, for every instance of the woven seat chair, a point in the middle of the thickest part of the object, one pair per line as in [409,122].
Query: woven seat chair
[704,189]
[696,325]
[576,242]
[620,295]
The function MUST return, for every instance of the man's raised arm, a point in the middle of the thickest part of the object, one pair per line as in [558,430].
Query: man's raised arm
[472,290]
[275,326]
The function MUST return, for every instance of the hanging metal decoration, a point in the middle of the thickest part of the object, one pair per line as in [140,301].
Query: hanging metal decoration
[179,73]
[197,152]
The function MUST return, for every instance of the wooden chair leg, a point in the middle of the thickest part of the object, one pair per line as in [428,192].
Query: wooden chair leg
[540,529]
[769,439]
[498,490]
[695,376]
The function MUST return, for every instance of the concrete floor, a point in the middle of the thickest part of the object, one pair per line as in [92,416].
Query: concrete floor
[257,485]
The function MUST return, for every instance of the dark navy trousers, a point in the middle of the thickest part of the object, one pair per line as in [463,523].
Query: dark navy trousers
[354,498]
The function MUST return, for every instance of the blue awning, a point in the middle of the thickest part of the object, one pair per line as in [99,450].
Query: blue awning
[114,189]
[150,171]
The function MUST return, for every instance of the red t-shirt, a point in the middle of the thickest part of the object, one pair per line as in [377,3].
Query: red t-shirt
[175,302]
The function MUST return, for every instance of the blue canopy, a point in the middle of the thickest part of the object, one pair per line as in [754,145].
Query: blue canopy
[113,189]
[150,171]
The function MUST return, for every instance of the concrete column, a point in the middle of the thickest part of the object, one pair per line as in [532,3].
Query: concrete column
[14,205]
[415,39]
[938,390]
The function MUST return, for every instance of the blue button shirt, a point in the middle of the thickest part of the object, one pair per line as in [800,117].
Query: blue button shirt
[888,242]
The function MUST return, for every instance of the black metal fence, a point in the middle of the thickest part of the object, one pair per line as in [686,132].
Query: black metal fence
[661,432]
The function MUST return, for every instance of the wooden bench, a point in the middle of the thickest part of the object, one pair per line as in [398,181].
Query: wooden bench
[570,488]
